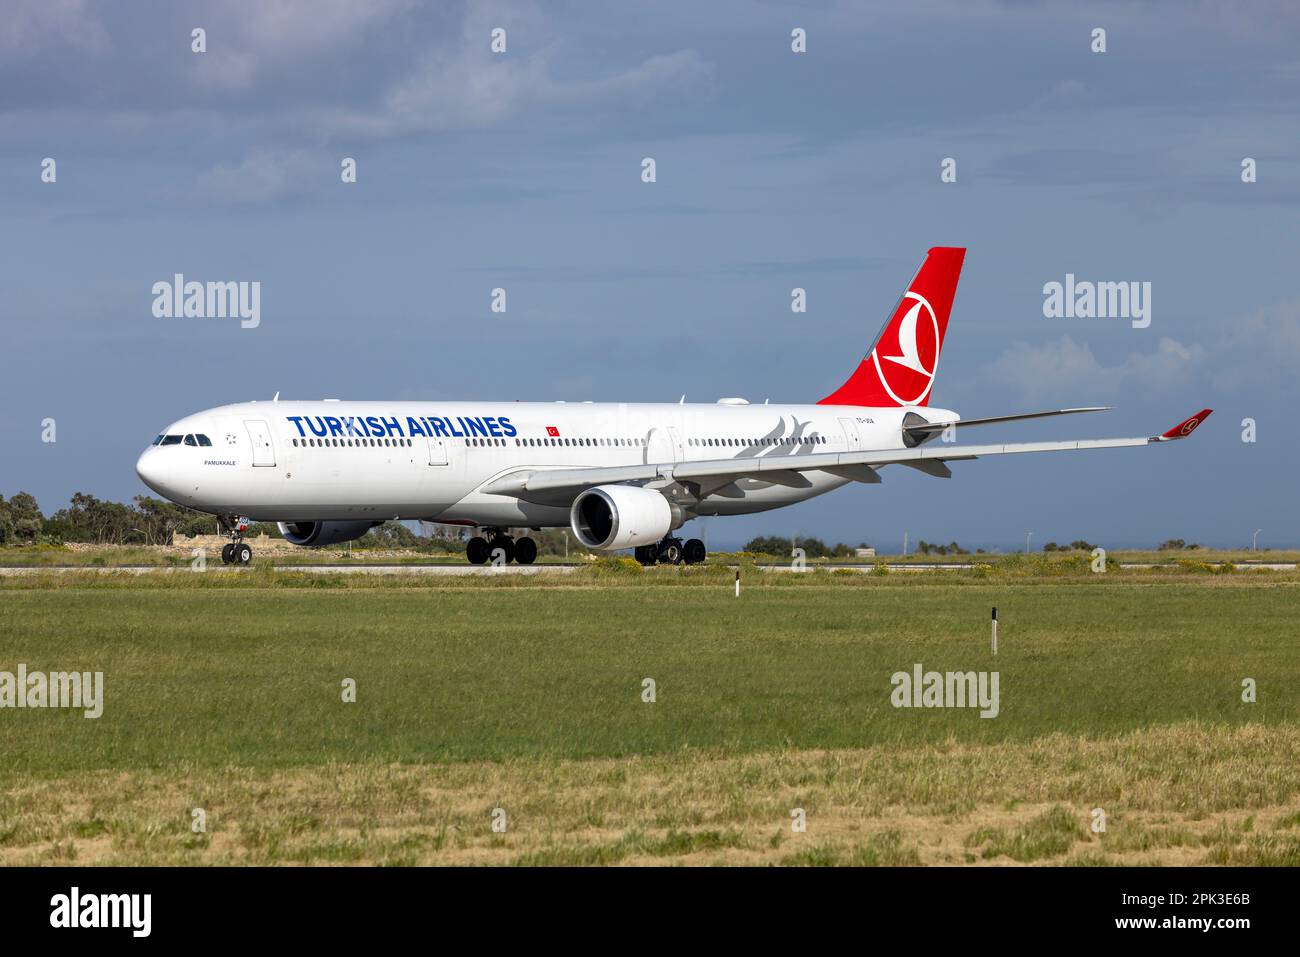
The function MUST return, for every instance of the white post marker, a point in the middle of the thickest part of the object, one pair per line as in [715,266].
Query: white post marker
[995,629]
[737,582]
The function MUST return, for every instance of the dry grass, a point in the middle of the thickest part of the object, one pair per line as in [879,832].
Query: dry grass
[1183,794]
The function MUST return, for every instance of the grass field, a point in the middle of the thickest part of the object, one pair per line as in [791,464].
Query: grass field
[224,692]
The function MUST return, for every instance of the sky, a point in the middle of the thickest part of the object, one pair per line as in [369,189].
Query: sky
[774,170]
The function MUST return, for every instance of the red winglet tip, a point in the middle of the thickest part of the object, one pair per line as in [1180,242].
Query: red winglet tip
[1184,429]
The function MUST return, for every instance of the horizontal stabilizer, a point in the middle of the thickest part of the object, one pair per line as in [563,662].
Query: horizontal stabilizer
[926,428]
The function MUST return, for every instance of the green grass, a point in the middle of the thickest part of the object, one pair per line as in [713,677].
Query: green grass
[253,675]
[223,692]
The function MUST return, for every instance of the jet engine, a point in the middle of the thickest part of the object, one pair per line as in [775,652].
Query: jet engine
[323,533]
[609,517]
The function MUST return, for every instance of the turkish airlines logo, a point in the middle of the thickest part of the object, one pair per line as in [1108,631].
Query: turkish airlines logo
[908,373]
[552,431]
[1189,425]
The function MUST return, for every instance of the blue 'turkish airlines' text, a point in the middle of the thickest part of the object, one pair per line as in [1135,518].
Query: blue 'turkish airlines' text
[383,426]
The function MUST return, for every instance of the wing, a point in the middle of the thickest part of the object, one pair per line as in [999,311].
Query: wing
[558,485]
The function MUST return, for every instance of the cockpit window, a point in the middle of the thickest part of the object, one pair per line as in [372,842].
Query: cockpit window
[157,440]
[170,440]
[191,440]
[203,440]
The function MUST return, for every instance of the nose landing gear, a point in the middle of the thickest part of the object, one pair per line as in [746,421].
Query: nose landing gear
[237,552]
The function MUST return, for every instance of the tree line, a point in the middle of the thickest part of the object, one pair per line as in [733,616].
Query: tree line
[812,547]
[146,521]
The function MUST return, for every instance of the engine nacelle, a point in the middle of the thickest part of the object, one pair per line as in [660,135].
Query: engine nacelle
[608,517]
[323,533]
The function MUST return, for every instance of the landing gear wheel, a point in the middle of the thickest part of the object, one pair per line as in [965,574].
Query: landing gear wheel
[506,544]
[647,555]
[670,551]
[477,551]
[694,552]
[227,553]
[241,554]
[525,551]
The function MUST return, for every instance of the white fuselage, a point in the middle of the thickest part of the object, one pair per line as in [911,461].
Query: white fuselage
[338,461]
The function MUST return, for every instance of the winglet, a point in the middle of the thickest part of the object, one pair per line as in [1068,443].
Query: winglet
[1183,429]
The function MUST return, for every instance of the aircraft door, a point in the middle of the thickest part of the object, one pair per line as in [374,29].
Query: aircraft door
[851,434]
[660,448]
[437,450]
[679,453]
[260,434]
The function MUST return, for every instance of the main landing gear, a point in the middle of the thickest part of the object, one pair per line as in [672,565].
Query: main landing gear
[500,548]
[672,551]
[237,552]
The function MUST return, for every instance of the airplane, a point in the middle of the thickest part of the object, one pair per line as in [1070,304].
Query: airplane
[620,475]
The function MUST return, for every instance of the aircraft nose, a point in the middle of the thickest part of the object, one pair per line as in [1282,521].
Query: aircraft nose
[152,470]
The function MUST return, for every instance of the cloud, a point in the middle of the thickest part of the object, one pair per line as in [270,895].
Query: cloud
[264,176]
[1065,367]
[460,83]
[589,272]
[1258,350]
[32,26]
[1262,348]
[1064,95]
[246,37]
[467,87]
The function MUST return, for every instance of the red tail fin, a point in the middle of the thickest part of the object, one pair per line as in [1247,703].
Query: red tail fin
[900,368]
